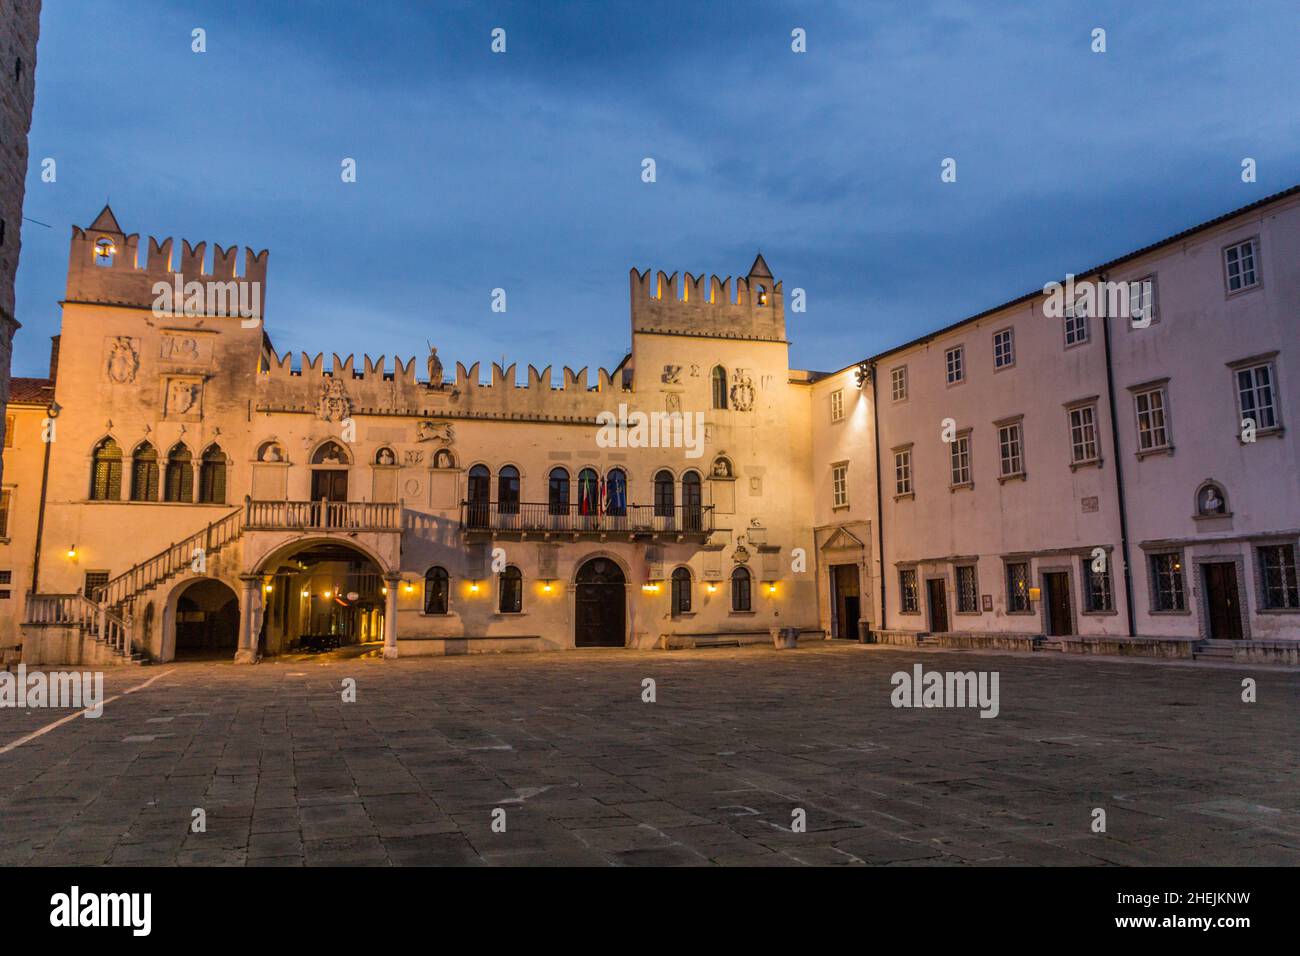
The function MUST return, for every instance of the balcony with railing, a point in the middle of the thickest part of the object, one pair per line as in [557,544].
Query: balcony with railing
[322,516]
[572,520]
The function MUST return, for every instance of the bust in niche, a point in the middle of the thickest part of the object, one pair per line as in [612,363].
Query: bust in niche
[1211,502]
[271,452]
[385,457]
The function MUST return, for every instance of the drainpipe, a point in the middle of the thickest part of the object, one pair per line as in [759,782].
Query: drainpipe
[53,413]
[880,503]
[1119,473]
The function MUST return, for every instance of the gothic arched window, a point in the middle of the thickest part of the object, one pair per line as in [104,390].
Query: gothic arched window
[106,471]
[144,473]
[719,378]
[212,476]
[178,481]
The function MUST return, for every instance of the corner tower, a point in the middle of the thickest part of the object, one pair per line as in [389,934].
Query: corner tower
[698,306]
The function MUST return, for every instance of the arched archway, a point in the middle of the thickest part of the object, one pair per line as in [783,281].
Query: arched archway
[206,621]
[318,596]
[600,602]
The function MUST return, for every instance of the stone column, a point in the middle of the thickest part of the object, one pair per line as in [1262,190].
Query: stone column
[249,595]
[393,582]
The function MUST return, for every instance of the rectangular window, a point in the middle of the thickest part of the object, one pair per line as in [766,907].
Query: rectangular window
[5,497]
[1083,435]
[1017,588]
[907,588]
[840,485]
[1255,399]
[1004,348]
[9,431]
[960,460]
[1239,266]
[898,383]
[1076,323]
[6,579]
[94,581]
[1278,576]
[967,590]
[903,472]
[1097,592]
[1153,431]
[837,405]
[1167,582]
[1010,445]
[1142,300]
[955,363]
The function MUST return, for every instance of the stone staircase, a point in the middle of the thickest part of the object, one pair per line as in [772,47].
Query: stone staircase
[1212,650]
[107,616]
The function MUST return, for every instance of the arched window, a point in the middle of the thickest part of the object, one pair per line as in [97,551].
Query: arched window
[740,597]
[105,250]
[508,490]
[212,476]
[692,502]
[330,453]
[437,589]
[510,588]
[178,482]
[559,492]
[106,471]
[480,496]
[681,591]
[588,492]
[616,492]
[665,495]
[144,473]
[719,387]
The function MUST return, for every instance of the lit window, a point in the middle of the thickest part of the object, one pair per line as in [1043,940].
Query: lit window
[1167,582]
[1017,587]
[144,473]
[106,471]
[1239,266]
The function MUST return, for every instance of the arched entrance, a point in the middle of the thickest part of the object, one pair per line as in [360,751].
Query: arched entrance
[319,598]
[207,621]
[600,602]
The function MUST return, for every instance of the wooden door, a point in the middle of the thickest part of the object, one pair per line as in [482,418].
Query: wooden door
[938,599]
[1222,601]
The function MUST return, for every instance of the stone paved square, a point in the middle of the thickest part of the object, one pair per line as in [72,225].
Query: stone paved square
[588,774]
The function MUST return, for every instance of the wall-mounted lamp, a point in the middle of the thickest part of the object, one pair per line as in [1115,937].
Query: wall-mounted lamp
[268,588]
[72,551]
[711,587]
[383,590]
[863,373]
[409,588]
[473,587]
[306,594]
[326,594]
[650,587]
[547,587]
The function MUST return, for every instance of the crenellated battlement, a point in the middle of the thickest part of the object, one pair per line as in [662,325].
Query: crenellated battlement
[104,266]
[753,308]
[392,388]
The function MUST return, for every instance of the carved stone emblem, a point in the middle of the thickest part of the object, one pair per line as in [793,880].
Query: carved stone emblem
[334,402]
[123,360]
[741,555]
[672,375]
[742,391]
[182,397]
[673,401]
[413,457]
[441,432]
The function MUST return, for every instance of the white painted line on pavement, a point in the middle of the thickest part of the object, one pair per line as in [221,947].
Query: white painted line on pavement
[63,720]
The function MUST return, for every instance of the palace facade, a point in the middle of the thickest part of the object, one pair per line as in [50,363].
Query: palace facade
[1084,482]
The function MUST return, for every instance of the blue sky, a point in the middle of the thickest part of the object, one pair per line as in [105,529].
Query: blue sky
[522,171]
